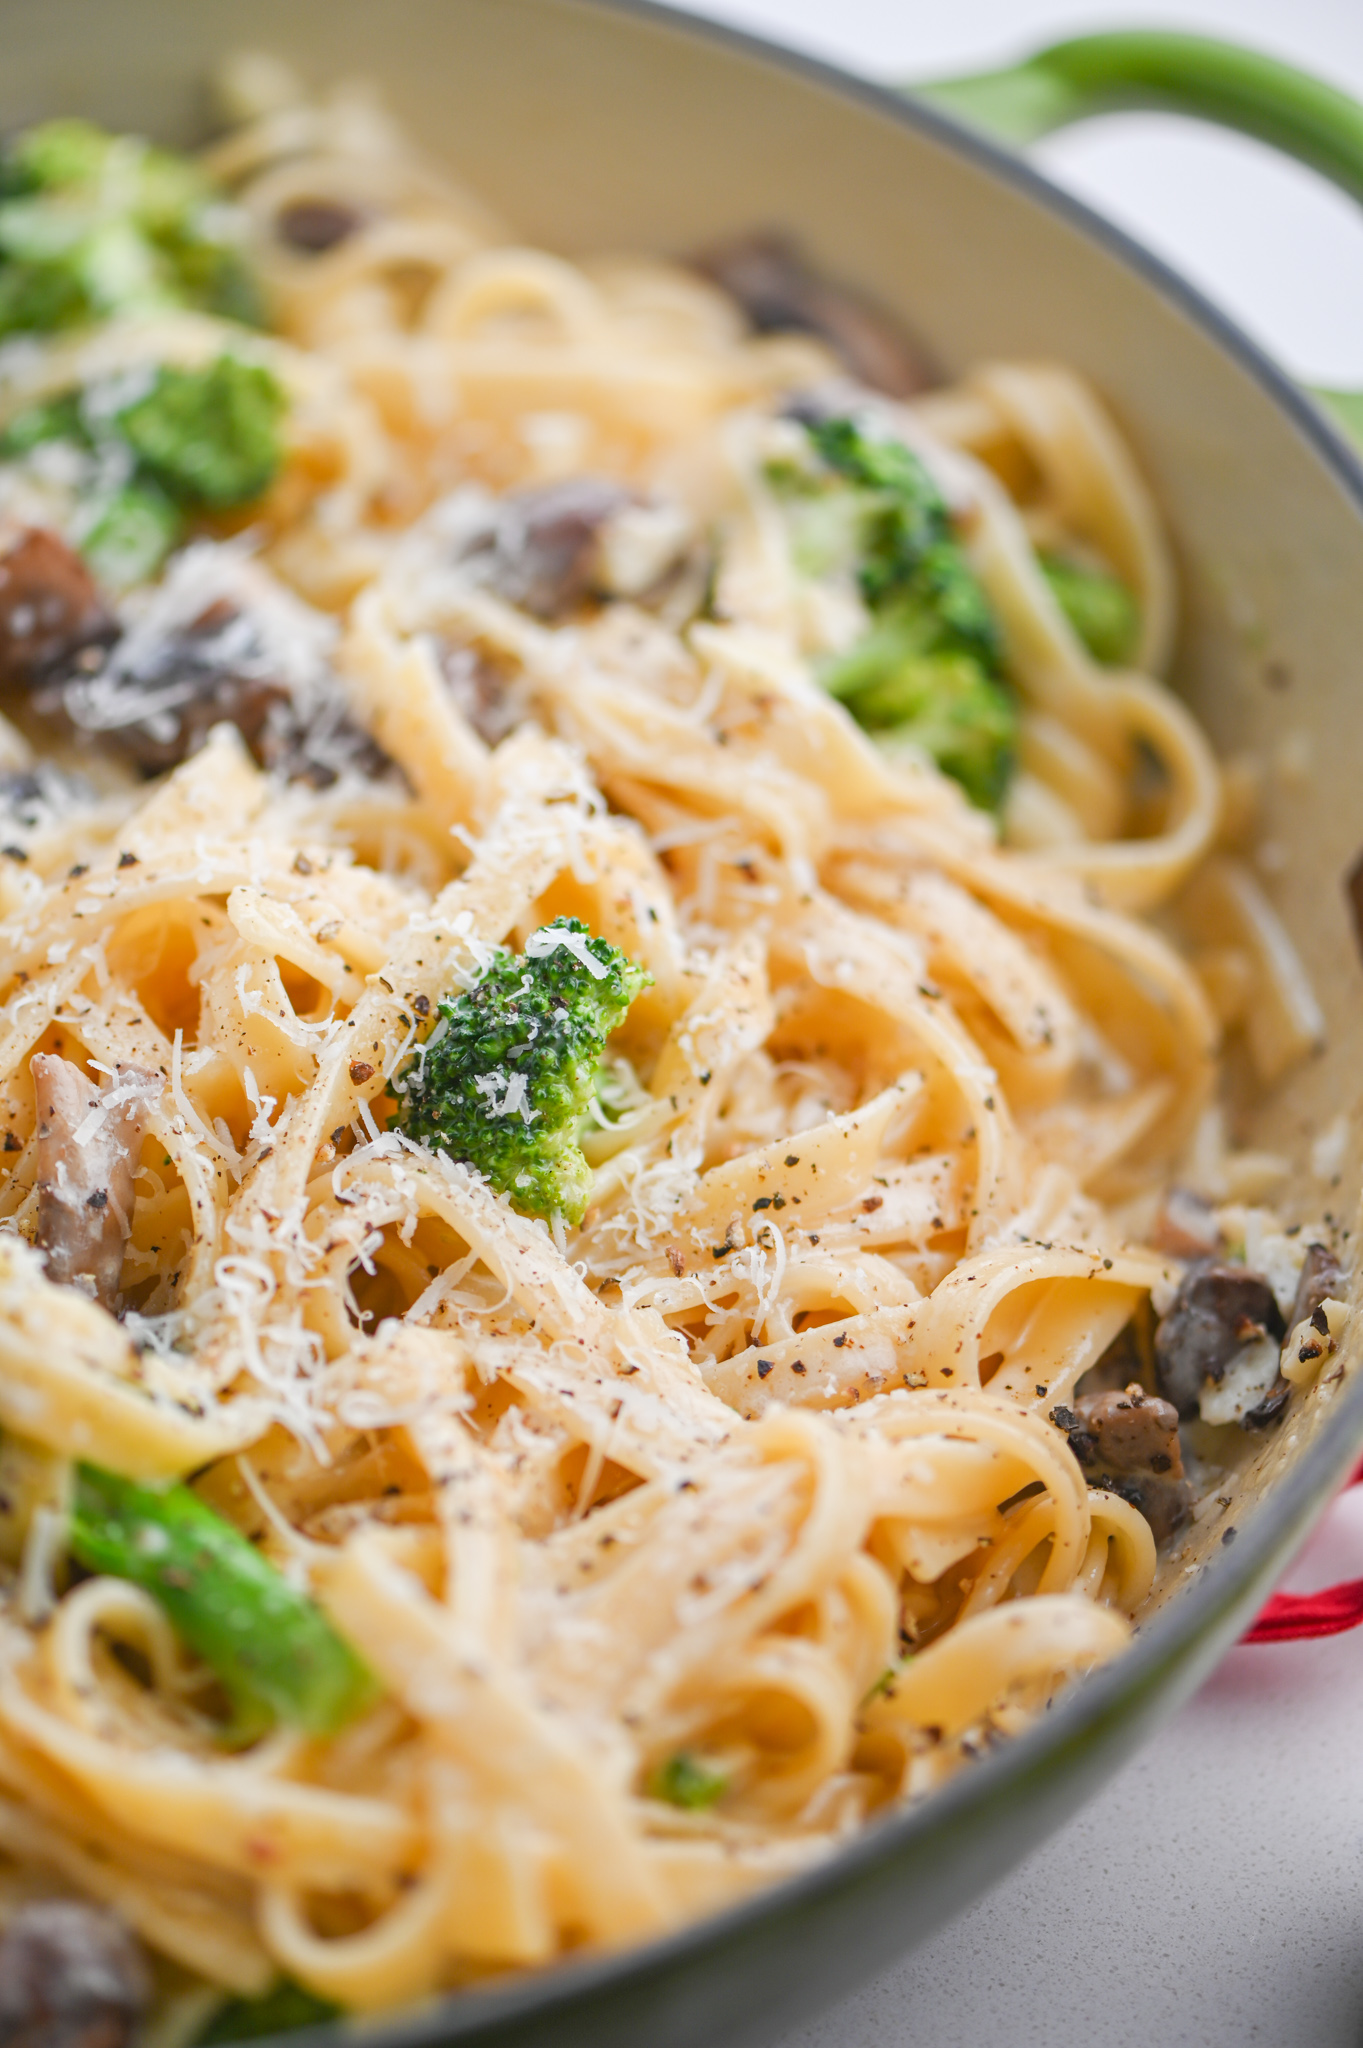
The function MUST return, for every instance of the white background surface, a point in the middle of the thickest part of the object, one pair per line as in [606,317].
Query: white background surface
[1212,1896]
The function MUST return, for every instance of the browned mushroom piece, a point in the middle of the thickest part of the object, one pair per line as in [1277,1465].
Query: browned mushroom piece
[487,692]
[51,609]
[1217,1311]
[71,1976]
[1128,1443]
[210,672]
[541,550]
[781,294]
[1321,1277]
[1353,889]
[1185,1226]
[1133,1431]
[89,1139]
[313,226]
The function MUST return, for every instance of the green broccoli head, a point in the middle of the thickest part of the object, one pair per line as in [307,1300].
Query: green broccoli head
[284,2010]
[1100,608]
[93,224]
[942,701]
[210,437]
[505,1079]
[189,440]
[929,668]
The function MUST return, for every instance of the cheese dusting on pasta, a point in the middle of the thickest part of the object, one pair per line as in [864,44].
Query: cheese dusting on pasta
[646,1551]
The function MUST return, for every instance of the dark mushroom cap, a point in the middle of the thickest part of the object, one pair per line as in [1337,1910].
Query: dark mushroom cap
[71,1976]
[51,609]
[1217,1310]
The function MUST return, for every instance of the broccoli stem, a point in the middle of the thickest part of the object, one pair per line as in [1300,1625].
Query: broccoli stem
[277,1655]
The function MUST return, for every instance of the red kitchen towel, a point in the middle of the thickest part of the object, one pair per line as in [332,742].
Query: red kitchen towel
[1288,1617]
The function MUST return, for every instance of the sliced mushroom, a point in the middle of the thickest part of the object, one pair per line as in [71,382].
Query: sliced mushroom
[489,693]
[212,669]
[315,225]
[541,549]
[780,294]
[1353,889]
[51,611]
[71,1976]
[1223,1329]
[1185,1226]
[1127,1441]
[1132,1431]
[1322,1277]
[88,1143]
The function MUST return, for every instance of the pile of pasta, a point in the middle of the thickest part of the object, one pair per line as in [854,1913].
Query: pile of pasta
[757,1463]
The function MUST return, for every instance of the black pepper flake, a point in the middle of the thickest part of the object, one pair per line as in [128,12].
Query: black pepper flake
[764,1366]
[422,1005]
[1041,1393]
[1320,1322]
[839,1341]
[12,1143]
[704,1078]
[721,1251]
[948,1372]
[98,1200]
[1064,1418]
[797,1365]
[792,1159]
[778,1201]
[870,1203]
[128,860]
[81,868]
[814,1237]
[762,1202]
[14,853]
[1228,1536]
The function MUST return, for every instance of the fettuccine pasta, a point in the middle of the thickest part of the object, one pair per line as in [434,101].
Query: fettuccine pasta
[670,1542]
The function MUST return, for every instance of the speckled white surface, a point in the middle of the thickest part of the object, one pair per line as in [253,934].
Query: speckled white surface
[1212,1895]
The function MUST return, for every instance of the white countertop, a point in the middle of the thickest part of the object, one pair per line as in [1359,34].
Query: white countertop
[1212,1895]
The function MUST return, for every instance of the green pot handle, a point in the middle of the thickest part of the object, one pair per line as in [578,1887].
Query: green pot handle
[1158,70]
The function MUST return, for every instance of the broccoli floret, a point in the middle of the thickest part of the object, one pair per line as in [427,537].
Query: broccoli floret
[200,440]
[282,2011]
[1100,608]
[505,1079]
[943,702]
[688,1781]
[93,224]
[929,668]
[209,437]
